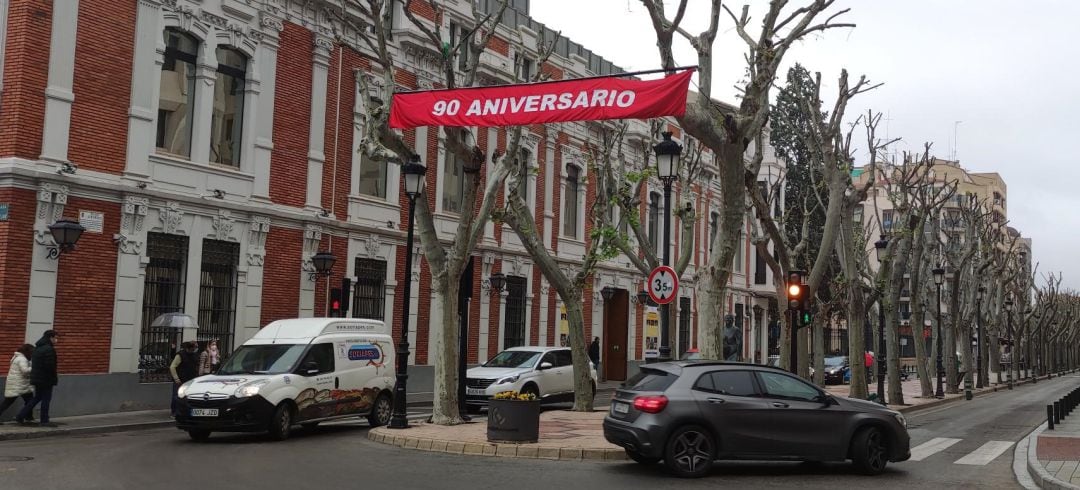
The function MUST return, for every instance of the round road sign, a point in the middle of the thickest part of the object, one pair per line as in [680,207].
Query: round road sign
[663,285]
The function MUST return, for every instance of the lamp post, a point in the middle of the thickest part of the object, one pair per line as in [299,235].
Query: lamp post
[939,278]
[413,174]
[323,262]
[879,249]
[667,155]
[1030,356]
[1008,344]
[982,338]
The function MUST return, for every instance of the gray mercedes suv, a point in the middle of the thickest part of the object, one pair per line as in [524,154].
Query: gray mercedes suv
[690,414]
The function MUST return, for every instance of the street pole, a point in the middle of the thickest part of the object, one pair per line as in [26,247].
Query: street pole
[940,393]
[399,419]
[967,378]
[665,309]
[982,337]
[881,357]
[463,345]
[1012,352]
[793,342]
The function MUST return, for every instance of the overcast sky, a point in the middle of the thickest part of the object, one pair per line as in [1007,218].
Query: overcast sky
[1007,70]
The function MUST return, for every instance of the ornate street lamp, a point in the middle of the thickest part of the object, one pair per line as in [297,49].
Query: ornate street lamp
[882,357]
[65,233]
[667,155]
[413,175]
[643,297]
[497,282]
[324,264]
[608,292]
[939,279]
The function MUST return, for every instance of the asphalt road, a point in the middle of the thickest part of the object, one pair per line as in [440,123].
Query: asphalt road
[341,456]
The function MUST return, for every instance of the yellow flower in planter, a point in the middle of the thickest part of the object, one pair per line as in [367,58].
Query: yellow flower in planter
[513,395]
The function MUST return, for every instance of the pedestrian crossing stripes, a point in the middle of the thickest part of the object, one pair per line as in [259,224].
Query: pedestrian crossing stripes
[986,453]
[931,447]
[981,456]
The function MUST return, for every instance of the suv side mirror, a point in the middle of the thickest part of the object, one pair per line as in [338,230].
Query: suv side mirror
[826,399]
[311,367]
[545,365]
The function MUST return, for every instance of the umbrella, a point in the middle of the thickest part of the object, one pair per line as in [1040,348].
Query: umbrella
[175,320]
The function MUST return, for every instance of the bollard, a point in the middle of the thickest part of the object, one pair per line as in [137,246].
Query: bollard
[1050,417]
[1057,412]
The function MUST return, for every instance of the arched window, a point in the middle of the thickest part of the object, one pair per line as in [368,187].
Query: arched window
[572,202]
[177,98]
[227,123]
[654,218]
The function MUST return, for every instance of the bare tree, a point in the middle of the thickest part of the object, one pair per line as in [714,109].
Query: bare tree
[729,132]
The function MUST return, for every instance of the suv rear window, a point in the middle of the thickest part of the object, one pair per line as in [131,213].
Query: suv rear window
[650,380]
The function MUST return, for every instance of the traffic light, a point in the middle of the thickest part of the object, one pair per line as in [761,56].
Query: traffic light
[795,289]
[346,289]
[806,315]
[335,302]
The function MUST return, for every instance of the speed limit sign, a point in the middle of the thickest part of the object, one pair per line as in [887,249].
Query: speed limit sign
[663,285]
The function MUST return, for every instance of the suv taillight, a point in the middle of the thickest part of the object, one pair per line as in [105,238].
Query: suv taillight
[650,404]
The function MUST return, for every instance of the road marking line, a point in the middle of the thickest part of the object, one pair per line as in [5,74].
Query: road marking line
[932,447]
[985,454]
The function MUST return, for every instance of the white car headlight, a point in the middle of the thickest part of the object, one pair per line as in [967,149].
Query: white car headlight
[250,389]
[508,379]
[182,391]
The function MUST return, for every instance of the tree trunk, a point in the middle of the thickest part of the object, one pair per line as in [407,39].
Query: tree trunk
[583,382]
[445,342]
[856,311]
[951,334]
[710,298]
[918,322]
[803,339]
[892,351]
[949,349]
[819,351]
[994,351]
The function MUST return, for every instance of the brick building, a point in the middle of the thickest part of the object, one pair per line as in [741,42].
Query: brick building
[210,149]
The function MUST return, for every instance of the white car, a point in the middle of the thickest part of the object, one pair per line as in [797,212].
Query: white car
[546,372]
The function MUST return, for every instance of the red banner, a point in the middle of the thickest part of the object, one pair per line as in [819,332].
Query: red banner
[539,103]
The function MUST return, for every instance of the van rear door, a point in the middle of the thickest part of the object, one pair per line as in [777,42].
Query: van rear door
[317,368]
[361,361]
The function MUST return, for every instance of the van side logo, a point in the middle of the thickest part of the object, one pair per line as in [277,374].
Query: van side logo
[364,352]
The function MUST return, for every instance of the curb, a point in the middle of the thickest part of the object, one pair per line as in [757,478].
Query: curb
[1042,477]
[102,429]
[525,451]
[974,393]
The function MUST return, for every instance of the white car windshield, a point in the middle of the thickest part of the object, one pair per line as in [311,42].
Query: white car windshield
[513,359]
[262,359]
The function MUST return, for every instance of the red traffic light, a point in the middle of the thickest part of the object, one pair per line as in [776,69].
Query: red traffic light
[336,305]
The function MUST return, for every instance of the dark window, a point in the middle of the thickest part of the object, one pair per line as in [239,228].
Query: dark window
[759,266]
[514,320]
[217,292]
[654,218]
[372,177]
[572,202]
[369,292]
[650,380]
[227,123]
[684,324]
[456,35]
[322,355]
[163,292]
[734,383]
[550,359]
[783,386]
[563,358]
[453,176]
[176,100]
[525,67]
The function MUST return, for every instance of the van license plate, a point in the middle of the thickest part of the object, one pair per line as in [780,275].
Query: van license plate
[618,407]
[475,391]
[204,412]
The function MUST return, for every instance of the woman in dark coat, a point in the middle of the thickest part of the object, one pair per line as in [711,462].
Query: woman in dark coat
[42,377]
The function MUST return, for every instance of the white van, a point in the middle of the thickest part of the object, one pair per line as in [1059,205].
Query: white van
[299,371]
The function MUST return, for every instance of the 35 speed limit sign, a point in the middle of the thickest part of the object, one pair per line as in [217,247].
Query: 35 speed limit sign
[663,285]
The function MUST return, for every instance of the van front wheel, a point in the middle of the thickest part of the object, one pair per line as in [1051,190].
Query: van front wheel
[381,411]
[281,423]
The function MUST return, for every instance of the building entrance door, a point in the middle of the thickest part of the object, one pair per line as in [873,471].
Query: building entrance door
[616,329]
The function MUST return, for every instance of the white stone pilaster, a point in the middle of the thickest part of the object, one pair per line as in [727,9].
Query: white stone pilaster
[145,89]
[317,136]
[130,281]
[41,307]
[253,260]
[199,229]
[312,237]
[3,37]
[266,68]
[203,113]
[59,94]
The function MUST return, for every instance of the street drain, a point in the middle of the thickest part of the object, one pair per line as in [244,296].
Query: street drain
[14,459]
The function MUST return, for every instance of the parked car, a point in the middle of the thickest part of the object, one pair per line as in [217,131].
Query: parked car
[690,414]
[836,368]
[546,372]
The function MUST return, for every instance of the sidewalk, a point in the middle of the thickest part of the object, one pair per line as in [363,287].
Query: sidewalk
[912,393]
[89,424]
[1054,455]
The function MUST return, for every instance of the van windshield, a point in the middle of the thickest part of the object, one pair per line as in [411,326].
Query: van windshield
[262,359]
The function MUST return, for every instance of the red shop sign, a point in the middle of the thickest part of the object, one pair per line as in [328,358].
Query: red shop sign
[545,102]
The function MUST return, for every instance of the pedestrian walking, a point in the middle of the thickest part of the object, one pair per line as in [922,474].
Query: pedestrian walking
[869,363]
[43,378]
[184,368]
[594,356]
[210,358]
[18,378]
